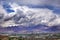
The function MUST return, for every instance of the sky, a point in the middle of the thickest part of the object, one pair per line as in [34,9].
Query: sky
[24,16]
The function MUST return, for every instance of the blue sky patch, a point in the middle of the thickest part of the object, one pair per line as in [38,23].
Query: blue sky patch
[41,6]
[7,7]
[57,11]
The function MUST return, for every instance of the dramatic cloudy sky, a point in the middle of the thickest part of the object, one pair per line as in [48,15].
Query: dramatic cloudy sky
[29,16]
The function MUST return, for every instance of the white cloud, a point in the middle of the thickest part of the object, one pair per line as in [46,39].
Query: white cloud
[2,10]
[26,16]
[36,16]
[54,22]
[9,23]
[3,13]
